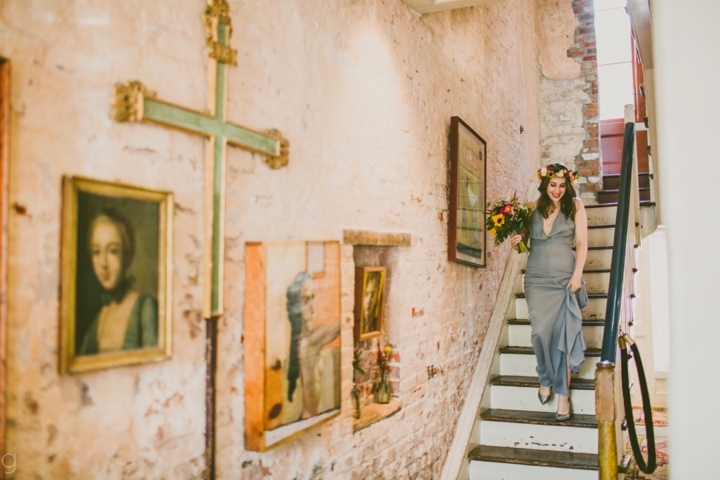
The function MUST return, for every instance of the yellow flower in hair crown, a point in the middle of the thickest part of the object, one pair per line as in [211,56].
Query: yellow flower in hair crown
[556,171]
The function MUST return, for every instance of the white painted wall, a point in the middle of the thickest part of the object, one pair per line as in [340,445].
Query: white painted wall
[686,39]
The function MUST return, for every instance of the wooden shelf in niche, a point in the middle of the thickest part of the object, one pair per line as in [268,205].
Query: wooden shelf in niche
[376,239]
[375,412]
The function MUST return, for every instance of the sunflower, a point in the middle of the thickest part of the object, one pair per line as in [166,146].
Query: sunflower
[551,173]
[493,232]
[499,219]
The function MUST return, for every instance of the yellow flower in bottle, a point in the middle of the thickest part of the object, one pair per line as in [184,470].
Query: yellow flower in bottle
[499,219]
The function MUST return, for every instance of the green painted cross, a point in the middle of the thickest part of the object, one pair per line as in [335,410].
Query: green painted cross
[134,103]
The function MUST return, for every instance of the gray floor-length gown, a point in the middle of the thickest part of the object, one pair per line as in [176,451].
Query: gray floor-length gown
[554,311]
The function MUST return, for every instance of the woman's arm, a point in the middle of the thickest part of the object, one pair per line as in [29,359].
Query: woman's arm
[581,246]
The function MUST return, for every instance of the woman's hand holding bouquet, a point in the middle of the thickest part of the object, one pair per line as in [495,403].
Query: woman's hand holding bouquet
[506,218]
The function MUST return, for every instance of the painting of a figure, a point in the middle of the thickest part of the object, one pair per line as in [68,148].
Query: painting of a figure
[115,288]
[293,309]
[369,301]
[467,195]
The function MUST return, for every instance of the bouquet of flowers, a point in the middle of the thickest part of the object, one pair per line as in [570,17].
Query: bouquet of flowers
[507,217]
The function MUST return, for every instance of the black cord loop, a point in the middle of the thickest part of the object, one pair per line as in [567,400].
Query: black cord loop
[651,464]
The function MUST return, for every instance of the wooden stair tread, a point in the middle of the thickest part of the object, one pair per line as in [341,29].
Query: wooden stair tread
[511,350]
[545,458]
[598,247]
[643,203]
[538,418]
[617,190]
[519,381]
[590,270]
[586,323]
[590,295]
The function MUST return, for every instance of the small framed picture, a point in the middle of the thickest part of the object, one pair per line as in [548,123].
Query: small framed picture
[116,281]
[369,301]
[468,161]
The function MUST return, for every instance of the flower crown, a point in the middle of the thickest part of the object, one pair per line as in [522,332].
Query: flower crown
[555,171]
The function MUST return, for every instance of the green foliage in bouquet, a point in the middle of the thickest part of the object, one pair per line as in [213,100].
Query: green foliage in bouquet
[507,217]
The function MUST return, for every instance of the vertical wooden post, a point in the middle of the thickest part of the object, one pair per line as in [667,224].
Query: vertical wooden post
[606,415]
[4,162]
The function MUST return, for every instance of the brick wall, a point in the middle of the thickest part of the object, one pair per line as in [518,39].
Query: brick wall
[584,51]
[569,90]
[364,91]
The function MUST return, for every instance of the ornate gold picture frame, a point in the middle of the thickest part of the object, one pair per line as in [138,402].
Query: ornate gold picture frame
[369,302]
[116,275]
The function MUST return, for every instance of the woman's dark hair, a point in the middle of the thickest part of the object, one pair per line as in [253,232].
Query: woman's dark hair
[127,232]
[567,203]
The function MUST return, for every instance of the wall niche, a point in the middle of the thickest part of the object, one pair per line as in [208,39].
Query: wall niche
[377,256]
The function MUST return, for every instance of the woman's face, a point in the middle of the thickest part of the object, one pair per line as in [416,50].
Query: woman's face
[556,189]
[106,250]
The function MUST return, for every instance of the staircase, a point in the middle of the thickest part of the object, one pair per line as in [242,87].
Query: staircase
[517,437]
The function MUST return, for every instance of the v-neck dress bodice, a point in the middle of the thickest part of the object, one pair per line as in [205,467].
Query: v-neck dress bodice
[553,308]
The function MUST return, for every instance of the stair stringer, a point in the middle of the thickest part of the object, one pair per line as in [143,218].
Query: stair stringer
[456,464]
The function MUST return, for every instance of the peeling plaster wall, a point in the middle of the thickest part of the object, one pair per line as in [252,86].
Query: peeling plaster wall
[567,67]
[364,91]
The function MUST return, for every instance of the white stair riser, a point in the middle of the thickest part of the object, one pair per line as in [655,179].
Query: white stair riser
[525,398]
[519,336]
[510,471]
[595,309]
[597,282]
[601,236]
[557,438]
[601,216]
[523,365]
[601,258]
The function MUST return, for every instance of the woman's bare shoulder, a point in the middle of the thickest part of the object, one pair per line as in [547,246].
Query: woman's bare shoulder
[579,204]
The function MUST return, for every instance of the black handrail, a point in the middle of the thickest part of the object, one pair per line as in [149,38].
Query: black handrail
[617,267]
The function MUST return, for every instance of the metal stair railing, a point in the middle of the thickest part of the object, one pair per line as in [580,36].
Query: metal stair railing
[619,313]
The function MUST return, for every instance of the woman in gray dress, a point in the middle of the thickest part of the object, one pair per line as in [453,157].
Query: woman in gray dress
[553,276]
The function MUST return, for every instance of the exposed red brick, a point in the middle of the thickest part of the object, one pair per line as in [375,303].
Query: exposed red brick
[590,113]
[576,53]
[590,58]
[586,30]
[593,128]
[593,134]
[591,105]
[592,164]
[592,187]
[592,143]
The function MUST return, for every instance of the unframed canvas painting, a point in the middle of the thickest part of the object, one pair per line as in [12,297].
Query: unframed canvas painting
[293,309]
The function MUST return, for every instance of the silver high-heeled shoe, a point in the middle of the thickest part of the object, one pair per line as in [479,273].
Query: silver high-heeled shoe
[544,398]
[563,418]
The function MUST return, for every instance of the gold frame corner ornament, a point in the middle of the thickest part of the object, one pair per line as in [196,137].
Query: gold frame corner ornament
[281,159]
[130,100]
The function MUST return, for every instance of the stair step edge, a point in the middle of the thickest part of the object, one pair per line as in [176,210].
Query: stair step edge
[519,381]
[545,458]
[537,418]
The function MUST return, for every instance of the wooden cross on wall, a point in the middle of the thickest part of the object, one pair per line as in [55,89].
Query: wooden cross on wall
[134,103]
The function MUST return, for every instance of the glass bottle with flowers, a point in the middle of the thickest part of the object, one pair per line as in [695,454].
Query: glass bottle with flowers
[355,393]
[383,393]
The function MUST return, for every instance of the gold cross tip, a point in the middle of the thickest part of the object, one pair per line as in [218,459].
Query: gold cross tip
[218,13]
